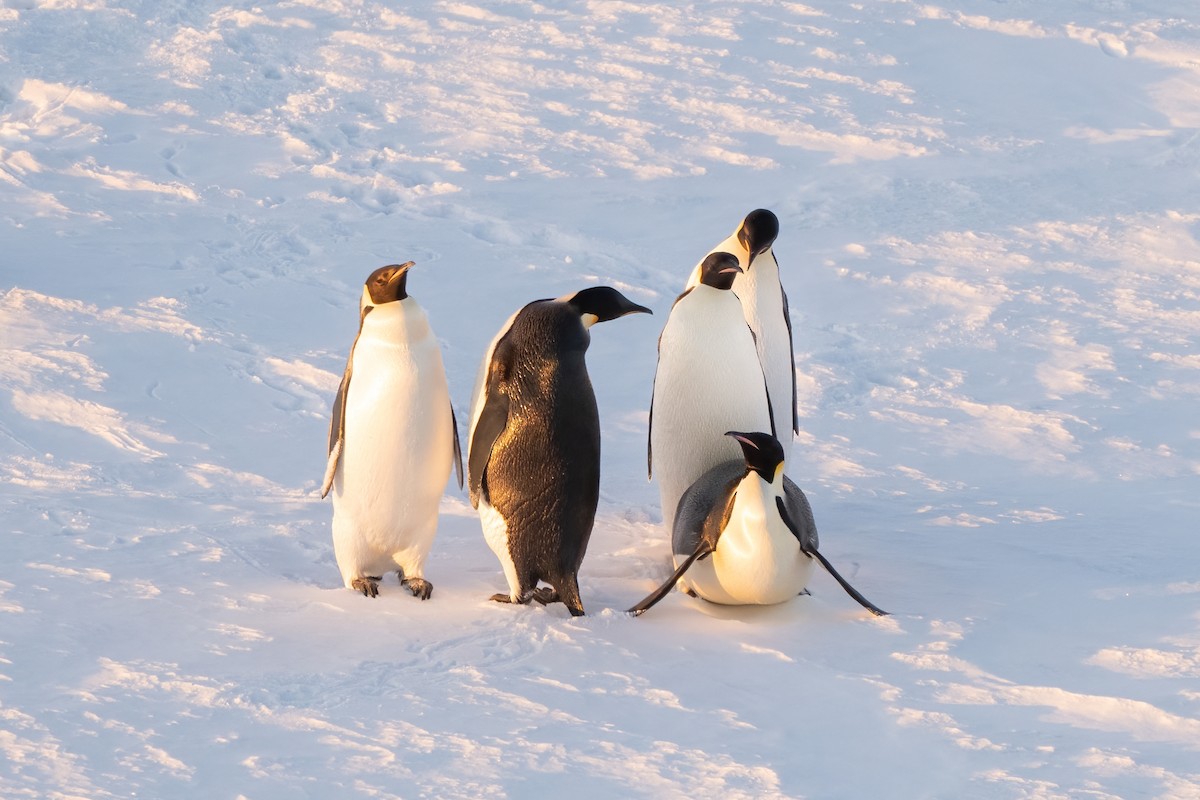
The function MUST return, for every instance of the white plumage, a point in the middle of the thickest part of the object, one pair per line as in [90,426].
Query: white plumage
[389,467]
[708,381]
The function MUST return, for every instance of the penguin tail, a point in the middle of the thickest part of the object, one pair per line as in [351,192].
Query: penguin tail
[568,593]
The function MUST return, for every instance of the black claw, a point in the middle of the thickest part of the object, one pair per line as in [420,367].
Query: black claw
[419,587]
[369,586]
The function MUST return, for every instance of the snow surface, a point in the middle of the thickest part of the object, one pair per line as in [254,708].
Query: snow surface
[990,242]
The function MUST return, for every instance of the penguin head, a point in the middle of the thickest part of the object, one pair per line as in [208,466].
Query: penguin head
[758,232]
[719,269]
[602,303]
[763,453]
[386,285]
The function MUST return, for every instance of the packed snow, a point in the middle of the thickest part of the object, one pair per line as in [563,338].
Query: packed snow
[991,246]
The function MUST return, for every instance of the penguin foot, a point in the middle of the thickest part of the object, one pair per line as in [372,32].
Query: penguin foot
[546,595]
[500,597]
[369,586]
[419,587]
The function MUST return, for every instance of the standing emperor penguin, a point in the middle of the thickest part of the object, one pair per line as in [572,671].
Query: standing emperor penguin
[744,533]
[534,445]
[765,307]
[391,442]
[708,381]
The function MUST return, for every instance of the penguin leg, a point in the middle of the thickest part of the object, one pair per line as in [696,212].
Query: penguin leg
[410,564]
[367,584]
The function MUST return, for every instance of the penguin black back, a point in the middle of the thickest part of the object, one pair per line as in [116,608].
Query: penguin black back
[542,471]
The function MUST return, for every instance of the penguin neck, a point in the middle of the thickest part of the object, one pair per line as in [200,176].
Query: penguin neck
[710,295]
[403,317]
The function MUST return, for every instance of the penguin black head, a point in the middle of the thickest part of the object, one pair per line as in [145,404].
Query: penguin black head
[763,452]
[758,232]
[602,303]
[387,284]
[719,269]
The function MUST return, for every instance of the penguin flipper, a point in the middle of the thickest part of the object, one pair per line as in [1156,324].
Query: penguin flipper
[337,425]
[702,550]
[787,319]
[809,549]
[850,590]
[491,422]
[458,469]
[766,384]
[337,429]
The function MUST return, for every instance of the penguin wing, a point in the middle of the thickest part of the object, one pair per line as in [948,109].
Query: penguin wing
[702,550]
[490,422]
[337,432]
[457,448]
[650,432]
[812,552]
[337,423]
[703,513]
[787,320]
[766,386]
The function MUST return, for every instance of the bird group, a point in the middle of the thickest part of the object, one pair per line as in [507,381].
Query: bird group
[722,419]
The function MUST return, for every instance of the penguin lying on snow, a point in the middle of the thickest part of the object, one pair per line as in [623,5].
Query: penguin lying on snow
[708,380]
[534,444]
[744,533]
[765,308]
[391,441]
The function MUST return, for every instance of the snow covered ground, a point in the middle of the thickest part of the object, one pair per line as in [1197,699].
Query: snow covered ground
[990,242]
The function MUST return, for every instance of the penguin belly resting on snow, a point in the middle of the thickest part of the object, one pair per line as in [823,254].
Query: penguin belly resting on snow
[765,308]
[392,441]
[744,533]
[534,444]
[708,381]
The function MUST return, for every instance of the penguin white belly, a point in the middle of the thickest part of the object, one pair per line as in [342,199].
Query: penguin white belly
[708,382]
[761,297]
[398,448]
[495,532]
[757,561]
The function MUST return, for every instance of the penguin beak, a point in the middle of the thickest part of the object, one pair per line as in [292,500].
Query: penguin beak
[728,270]
[399,274]
[636,309]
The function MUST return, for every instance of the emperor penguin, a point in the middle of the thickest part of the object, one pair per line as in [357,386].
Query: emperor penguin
[392,441]
[533,455]
[708,381]
[765,307]
[744,533]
